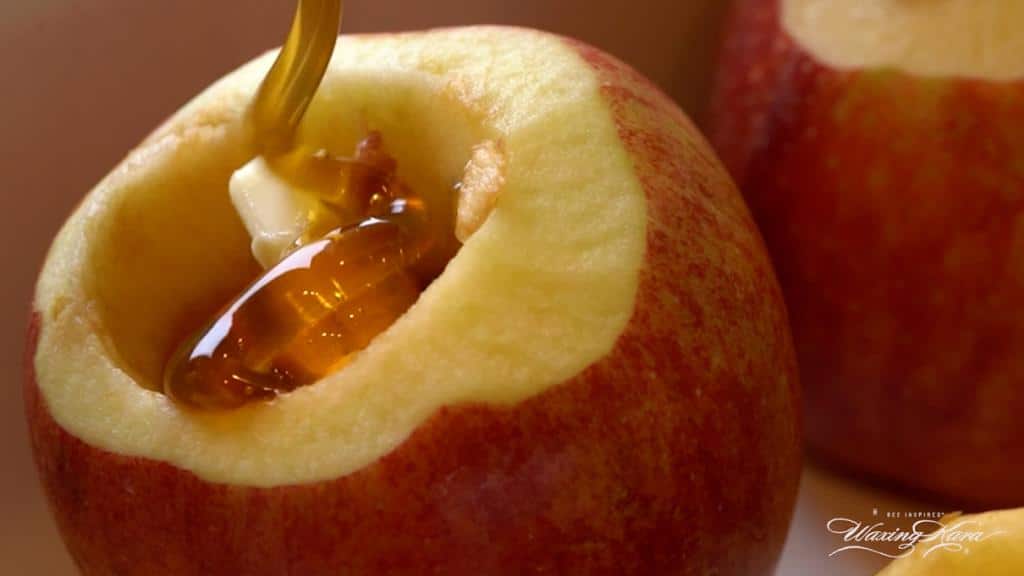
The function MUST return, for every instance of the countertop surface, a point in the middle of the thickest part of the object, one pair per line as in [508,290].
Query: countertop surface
[828,499]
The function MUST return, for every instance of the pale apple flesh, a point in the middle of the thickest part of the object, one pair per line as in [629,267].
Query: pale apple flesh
[889,197]
[991,543]
[940,38]
[600,381]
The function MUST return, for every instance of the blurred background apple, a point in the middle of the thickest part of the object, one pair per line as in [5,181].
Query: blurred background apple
[886,178]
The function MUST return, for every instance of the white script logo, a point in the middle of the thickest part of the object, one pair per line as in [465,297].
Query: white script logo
[952,534]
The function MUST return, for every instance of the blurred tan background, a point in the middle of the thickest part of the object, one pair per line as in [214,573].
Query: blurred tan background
[82,82]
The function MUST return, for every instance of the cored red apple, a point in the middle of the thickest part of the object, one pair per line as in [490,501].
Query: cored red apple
[881,146]
[602,380]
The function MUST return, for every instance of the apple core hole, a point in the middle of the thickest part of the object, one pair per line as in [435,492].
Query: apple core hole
[171,249]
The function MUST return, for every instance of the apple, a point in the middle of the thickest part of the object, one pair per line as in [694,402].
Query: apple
[881,148]
[991,543]
[601,381]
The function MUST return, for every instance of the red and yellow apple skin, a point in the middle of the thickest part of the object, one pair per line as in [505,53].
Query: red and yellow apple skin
[893,207]
[668,456]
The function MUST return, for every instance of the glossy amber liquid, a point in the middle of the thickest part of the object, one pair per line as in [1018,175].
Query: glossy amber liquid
[361,264]
[295,76]
[329,298]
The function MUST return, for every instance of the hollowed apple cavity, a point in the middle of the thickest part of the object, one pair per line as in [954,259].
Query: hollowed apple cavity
[542,287]
[972,38]
[176,242]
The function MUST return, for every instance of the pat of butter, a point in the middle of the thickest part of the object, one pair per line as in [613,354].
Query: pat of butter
[274,212]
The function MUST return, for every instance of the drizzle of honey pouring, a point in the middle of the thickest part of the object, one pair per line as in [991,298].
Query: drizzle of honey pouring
[358,267]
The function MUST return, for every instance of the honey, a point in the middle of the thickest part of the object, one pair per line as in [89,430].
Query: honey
[330,297]
[295,76]
[361,263]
